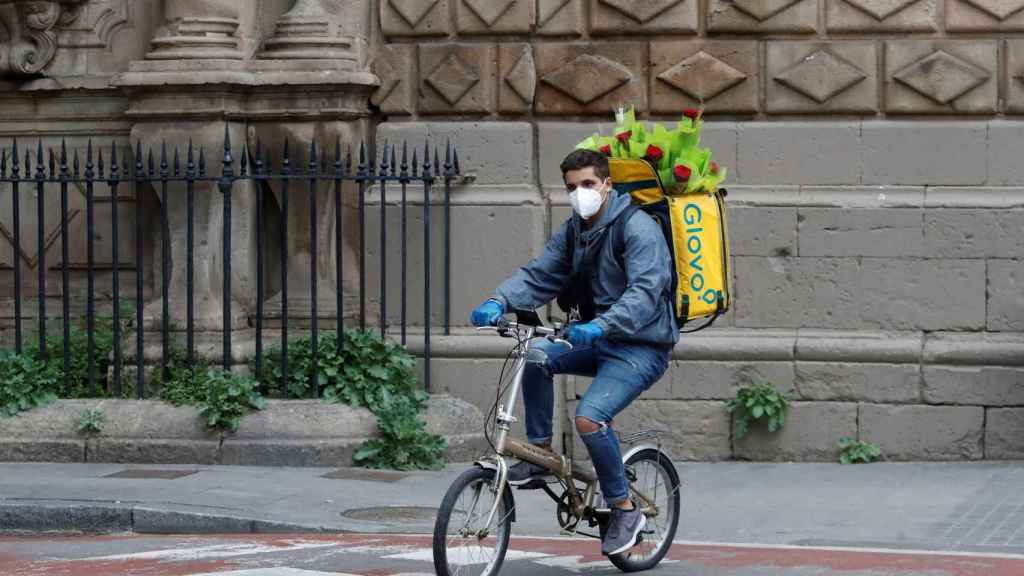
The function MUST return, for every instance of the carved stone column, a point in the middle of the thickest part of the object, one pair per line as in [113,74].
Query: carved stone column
[309,32]
[199,29]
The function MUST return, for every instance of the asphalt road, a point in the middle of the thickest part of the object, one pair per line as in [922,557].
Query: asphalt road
[409,555]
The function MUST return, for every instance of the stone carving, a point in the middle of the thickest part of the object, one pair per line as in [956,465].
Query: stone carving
[821,76]
[452,79]
[559,17]
[812,77]
[519,78]
[307,31]
[642,12]
[588,77]
[413,11]
[999,9]
[414,17]
[942,76]
[702,76]
[875,15]
[31,28]
[456,78]
[92,25]
[762,10]
[757,16]
[394,65]
[489,10]
[495,16]
[721,76]
[591,77]
[198,30]
[880,9]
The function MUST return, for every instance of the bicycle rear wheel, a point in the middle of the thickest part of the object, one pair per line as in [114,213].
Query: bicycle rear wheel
[461,546]
[658,480]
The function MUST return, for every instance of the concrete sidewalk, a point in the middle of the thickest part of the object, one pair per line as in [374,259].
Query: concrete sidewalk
[932,506]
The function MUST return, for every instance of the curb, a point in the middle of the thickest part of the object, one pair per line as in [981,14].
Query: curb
[82,517]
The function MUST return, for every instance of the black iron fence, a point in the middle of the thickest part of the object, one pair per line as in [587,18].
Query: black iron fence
[29,170]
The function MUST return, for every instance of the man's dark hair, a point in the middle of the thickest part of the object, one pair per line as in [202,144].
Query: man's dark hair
[580,159]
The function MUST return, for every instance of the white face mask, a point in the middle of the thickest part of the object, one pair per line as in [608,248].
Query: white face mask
[586,201]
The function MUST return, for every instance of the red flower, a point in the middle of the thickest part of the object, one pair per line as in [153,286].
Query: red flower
[682,173]
[714,168]
[606,150]
[654,154]
[691,113]
[624,136]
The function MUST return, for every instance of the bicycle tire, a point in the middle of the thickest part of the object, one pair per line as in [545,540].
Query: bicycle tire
[502,529]
[630,561]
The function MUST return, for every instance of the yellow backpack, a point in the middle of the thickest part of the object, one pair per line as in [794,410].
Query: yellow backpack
[694,225]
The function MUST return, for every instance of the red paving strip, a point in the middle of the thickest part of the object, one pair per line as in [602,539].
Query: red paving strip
[723,557]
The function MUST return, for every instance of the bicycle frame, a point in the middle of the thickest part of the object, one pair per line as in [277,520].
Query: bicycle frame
[581,505]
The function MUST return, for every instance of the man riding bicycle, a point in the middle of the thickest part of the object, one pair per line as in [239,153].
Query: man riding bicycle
[623,341]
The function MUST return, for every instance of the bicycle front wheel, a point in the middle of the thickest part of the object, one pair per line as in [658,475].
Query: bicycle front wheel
[658,481]
[463,545]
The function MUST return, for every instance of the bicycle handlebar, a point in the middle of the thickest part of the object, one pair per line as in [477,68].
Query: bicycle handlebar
[504,326]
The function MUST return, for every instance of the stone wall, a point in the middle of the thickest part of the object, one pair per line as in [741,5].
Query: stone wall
[876,201]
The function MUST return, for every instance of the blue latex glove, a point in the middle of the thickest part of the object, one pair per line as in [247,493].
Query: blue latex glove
[584,334]
[487,314]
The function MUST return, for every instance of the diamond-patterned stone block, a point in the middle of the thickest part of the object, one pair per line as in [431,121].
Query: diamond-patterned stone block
[559,17]
[875,15]
[941,76]
[758,16]
[721,75]
[818,77]
[394,66]
[627,16]
[456,78]
[982,15]
[1015,76]
[517,78]
[414,17]
[495,16]
[587,78]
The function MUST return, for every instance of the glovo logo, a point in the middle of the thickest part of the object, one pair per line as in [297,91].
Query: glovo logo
[692,216]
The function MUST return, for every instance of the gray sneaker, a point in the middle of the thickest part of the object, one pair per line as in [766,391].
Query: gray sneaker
[528,474]
[623,530]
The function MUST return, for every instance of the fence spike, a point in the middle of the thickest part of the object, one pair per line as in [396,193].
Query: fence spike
[384,160]
[202,160]
[337,155]
[258,160]
[227,140]
[28,164]
[448,158]
[100,164]
[113,159]
[245,160]
[163,156]
[437,163]
[14,159]
[455,161]
[362,157]
[63,151]
[151,163]
[348,160]
[190,167]
[125,166]
[74,164]
[176,163]
[415,162]
[405,158]
[53,163]
[426,160]
[39,152]
[394,164]
[3,162]
[285,157]
[323,158]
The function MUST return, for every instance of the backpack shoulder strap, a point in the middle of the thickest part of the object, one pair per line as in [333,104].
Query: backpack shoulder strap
[619,233]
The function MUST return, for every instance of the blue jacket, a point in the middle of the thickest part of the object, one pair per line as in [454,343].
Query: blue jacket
[633,305]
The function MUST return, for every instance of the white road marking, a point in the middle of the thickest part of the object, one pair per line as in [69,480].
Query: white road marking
[463,556]
[274,572]
[574,564]
[902,551]
[218,551]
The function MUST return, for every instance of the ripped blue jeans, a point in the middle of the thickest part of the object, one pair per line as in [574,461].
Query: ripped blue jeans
[621,372]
